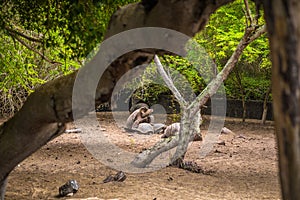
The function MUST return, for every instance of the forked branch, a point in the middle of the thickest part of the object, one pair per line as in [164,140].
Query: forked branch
[169,82]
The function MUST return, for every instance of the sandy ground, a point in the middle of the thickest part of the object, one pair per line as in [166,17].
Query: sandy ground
[244,168]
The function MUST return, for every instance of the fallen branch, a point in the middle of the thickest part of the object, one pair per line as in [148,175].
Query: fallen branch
[192,167]
[226,131]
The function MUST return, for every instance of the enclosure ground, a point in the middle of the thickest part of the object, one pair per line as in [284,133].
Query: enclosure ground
[244,168]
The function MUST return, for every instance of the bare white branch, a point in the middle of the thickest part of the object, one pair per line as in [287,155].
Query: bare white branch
[169,82]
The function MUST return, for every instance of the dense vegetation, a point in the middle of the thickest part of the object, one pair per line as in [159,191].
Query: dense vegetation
[42,40]
[250,79]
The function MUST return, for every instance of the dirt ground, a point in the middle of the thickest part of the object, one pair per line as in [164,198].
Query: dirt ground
[244,168]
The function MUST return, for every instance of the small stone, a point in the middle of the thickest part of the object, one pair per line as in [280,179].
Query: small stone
[69,188]
[221,143]
[120,176]
[198,137]
[70,194]
[241,136]
[226,131]
[108,179]
[217,151]
[76,130]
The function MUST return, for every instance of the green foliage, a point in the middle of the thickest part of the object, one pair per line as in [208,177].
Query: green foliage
[45,39]
[224,31]
[18,74]
[188,69]
[65,32]
[254,88]
[251,77]
[220,38]
[148,86]
[77,25]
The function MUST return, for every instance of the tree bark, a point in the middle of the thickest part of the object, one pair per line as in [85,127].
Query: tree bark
[188,17]
[265,106]
[283,22]
[242,91]
[189,124]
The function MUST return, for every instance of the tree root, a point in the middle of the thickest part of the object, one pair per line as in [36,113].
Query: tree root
[191,166]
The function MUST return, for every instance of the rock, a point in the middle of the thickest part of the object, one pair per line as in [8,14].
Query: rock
[241,137]
[197,137]
[119,177]
[221,142]
[108,179]
[76,130]
[226,131]
[69,188]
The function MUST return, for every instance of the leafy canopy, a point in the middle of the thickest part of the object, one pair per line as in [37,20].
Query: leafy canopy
[41,40]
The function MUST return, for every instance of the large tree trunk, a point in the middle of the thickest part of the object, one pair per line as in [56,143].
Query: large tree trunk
[283,23]
[47,110]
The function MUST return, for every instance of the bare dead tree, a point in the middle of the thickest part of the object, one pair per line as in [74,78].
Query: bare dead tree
[191,117]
